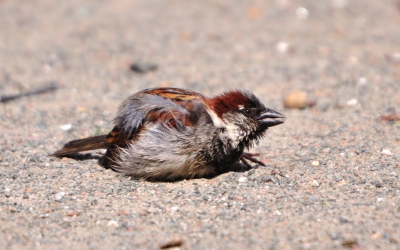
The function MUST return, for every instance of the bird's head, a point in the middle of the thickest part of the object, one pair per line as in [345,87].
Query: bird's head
[243,117]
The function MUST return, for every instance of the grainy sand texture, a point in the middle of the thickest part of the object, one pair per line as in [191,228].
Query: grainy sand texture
[332,176]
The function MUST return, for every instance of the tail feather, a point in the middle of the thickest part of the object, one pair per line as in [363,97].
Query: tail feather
[76,146]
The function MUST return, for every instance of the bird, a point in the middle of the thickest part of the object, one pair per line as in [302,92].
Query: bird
[169,134]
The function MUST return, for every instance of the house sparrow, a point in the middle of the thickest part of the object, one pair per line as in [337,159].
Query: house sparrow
[170,134]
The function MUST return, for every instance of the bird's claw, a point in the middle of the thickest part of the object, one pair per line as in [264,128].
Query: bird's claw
[248,156]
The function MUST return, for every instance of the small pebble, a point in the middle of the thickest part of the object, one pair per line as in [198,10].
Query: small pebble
[242,179]
[323,105]
[7,192]
[377,235]
[302,13]
[351,154]
[352,102]
[396,56]
[315,163]
[393,58]
[326,150]
[362,81]
[340,104]
[66,127]
[282,47]
[140,67]
[72,213]
[59,196]
[315,183]
[349,243]
[393,117]
[267,178]
[296,100]
[112,223]
[386,152]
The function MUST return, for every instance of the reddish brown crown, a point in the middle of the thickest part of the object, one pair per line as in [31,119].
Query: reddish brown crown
[231,100]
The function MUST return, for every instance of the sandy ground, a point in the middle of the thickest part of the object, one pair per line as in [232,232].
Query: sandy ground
[344,54]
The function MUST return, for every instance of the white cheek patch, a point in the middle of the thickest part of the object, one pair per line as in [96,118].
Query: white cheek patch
[232,131]
[219,123]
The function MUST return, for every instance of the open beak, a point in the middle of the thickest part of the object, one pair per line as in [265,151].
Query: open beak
[271,118]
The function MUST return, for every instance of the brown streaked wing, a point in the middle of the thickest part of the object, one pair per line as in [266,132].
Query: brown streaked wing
[180,96]
[183,97]
[188,99]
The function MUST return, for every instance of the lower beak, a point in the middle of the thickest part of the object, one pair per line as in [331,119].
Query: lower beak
[271,118]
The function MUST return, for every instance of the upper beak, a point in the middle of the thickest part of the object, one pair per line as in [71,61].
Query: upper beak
[271,118]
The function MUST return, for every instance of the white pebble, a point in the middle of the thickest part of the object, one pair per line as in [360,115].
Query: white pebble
[66,127]
[242,179]
[112,223]
[362,81]
[315,163]
[59,196]
[386,151]
[302,13]
[396,57]
[282,47]
[315,183]
[352,102]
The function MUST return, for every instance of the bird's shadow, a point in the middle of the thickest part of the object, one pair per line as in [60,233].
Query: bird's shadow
[237,167]
[82,157]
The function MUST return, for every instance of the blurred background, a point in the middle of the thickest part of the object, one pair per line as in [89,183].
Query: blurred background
[270,47]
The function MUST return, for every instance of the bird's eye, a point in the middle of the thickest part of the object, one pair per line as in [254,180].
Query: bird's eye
[247,111]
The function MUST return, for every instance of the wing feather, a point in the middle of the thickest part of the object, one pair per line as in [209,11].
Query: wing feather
[174,107]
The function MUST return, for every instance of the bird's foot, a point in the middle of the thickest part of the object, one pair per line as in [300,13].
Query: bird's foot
[248,156]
